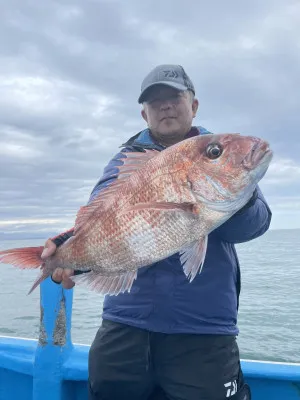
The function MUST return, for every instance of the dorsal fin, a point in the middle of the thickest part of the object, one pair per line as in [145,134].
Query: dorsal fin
[133,162]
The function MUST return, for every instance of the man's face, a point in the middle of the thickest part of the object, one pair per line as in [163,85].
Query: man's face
[169,113]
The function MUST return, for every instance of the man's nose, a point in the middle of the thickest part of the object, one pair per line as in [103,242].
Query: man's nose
[166,104]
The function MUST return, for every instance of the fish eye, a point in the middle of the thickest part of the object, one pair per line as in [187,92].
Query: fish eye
[214,150]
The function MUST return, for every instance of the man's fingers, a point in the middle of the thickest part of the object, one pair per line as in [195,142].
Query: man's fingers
[61,275]
[68,283]
[67,273]
[49,249]
[57,275]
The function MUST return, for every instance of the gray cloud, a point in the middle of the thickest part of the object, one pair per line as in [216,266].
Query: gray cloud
[70,77]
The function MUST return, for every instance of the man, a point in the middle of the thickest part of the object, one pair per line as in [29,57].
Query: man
[168,338]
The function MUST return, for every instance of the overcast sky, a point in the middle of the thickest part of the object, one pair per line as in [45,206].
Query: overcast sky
[70,78]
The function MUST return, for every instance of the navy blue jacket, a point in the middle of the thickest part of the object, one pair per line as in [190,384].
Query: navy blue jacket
[162,299]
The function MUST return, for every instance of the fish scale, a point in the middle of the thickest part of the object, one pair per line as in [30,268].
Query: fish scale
[161,203]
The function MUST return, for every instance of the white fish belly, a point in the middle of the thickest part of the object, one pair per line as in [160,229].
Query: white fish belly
[168,233]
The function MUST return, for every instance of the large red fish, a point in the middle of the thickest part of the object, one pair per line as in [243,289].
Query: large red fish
[162,203]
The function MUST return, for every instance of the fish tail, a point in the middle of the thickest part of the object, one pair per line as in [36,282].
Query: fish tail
[24,258]
[27,258]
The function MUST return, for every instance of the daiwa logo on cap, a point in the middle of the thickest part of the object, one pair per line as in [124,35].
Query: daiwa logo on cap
[170,74]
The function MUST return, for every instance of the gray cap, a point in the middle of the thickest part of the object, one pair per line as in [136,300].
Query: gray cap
[169,75]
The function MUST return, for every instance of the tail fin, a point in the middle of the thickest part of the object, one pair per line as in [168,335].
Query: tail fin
[26,257]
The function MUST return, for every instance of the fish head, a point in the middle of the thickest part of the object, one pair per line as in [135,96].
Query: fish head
[226,168]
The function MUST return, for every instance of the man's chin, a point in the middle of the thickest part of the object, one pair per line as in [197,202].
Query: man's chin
[169,128]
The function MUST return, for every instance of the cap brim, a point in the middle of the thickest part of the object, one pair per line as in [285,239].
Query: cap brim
[174,85]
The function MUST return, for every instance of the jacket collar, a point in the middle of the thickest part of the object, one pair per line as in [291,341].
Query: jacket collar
[144,137]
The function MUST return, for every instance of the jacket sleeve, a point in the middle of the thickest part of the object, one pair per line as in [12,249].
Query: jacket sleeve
[252,221]
[62,237]
[110,173]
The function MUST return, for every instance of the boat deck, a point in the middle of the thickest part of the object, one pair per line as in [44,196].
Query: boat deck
[52,367]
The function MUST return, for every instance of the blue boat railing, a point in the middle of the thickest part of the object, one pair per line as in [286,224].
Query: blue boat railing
[53,367]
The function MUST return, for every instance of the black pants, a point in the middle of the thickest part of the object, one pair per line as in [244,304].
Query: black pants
[133,364]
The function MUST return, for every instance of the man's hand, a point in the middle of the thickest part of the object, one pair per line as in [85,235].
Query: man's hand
[59,275]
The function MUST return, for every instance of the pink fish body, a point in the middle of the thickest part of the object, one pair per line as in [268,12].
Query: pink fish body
[162,203]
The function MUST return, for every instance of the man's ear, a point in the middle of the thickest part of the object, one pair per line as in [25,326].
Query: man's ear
[144,115]
[195,106]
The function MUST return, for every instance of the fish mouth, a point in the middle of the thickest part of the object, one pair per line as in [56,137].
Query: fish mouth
[259,154]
